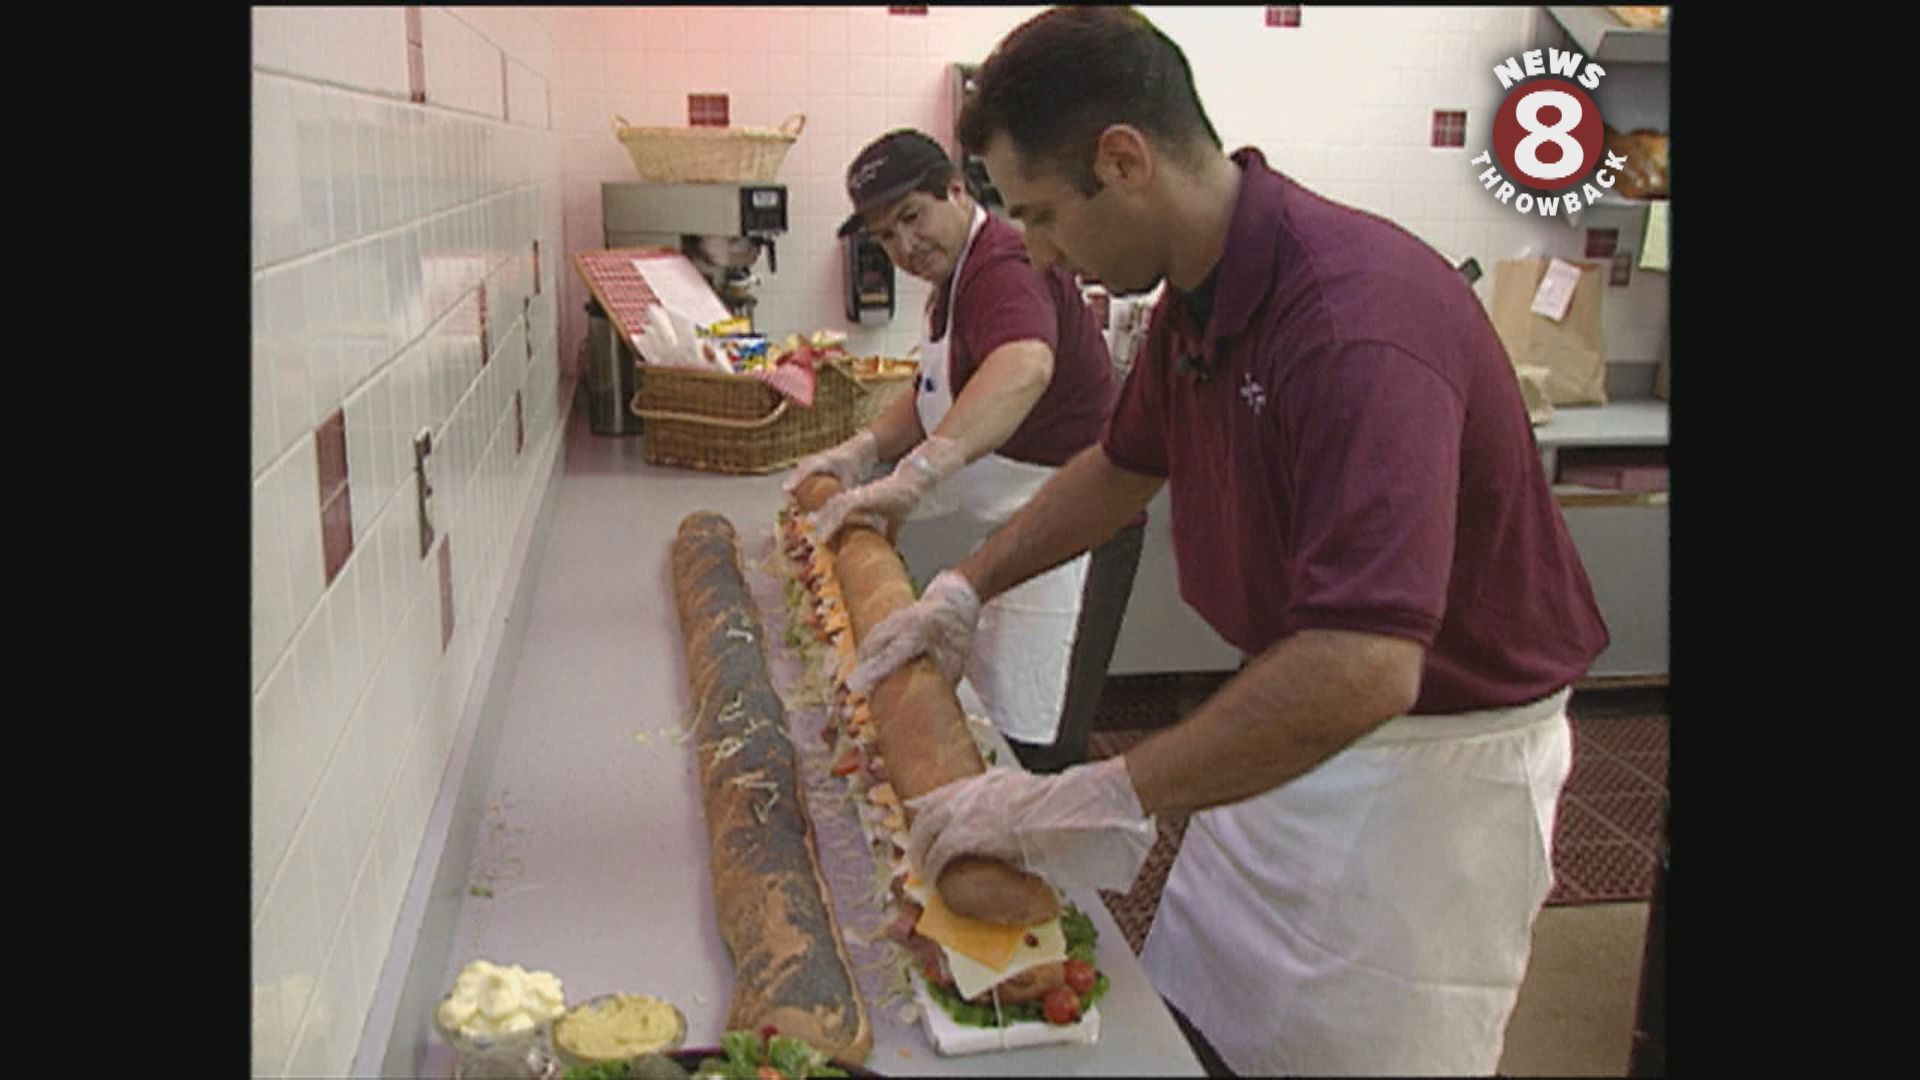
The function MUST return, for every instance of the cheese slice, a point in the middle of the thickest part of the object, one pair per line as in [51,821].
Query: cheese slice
[982,955]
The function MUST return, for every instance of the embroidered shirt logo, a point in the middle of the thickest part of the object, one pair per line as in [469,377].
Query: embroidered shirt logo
[1253,394]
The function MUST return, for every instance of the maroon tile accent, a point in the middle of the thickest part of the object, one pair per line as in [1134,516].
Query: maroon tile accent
[446,592]
[1602,243]
[416,73]
[1283,16]
[336,531]
[486,352]
[536,268]
[1449,127]
[1622,269]
[330,443]
[907,9]
[526,325]
[413,25]
[519,425]
[707,110]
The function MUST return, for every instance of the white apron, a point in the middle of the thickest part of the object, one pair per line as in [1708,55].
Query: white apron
[1025,636]
[1375,915]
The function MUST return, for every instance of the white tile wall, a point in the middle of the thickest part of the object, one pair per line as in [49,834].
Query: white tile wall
[376,222]
[1343,103]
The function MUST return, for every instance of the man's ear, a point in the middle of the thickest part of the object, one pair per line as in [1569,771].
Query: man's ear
[1122,157]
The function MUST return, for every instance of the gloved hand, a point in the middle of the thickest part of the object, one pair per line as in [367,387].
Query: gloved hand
[848,462]
[1080,827]
[939,624]
[893,496]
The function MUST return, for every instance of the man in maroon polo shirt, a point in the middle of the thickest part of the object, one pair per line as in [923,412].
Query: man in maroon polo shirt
[1015,379]
[1358,506]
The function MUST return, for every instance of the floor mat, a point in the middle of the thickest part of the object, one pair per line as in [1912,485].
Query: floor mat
[1606,833]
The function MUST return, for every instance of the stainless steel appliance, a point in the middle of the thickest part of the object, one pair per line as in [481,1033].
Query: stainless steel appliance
[720,227]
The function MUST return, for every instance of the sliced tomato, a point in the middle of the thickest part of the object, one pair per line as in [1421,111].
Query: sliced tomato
[849,763]
[1061,1005]
[1081,976]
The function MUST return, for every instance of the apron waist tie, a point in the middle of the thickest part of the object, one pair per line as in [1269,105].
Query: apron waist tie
[1412,729]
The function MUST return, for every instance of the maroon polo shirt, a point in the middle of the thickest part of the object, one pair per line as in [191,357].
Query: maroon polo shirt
[1000,299]
[1357,455]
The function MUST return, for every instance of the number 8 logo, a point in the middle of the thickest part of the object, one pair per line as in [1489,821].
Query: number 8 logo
[1548,134]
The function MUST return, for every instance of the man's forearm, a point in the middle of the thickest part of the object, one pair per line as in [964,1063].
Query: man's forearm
[897,429]
[1308,698]
[1083,505]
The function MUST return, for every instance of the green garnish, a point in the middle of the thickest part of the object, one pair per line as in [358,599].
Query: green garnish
[1079,932]
[747,1052]
[480,890]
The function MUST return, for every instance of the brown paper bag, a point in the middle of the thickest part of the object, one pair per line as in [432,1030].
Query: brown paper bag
[1533,391]
[1569,349]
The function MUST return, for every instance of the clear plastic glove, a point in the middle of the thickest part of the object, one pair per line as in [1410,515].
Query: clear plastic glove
[893,496]
[1080,827]
[939,625]
[848,462]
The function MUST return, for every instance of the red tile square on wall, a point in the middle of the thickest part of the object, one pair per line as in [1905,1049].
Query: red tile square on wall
[1449,128]
[330,443]
[907,9]
[1602,243]
[707,110]
[416,74]
[1283,16]
[336,532]
[519,425]
[446,593]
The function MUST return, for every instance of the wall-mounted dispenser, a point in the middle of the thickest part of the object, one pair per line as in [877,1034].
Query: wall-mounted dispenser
[869,279]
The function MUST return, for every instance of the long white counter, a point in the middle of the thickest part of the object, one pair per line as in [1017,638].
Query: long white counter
[590,858]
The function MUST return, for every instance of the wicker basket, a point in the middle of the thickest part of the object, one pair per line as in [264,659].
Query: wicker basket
[701,155]
[716,422]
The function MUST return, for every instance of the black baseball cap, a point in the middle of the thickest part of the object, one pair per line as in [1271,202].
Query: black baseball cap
[890,168]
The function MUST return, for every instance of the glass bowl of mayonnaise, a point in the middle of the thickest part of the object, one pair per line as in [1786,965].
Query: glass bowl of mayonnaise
[500,1020]
[618,1027]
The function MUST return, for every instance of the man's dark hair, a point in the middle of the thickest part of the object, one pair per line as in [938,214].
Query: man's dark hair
[1066,75]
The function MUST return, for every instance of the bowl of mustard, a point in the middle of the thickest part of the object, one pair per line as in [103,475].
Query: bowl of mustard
[617,1027]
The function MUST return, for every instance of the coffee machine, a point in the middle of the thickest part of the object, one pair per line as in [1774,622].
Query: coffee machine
[720,227]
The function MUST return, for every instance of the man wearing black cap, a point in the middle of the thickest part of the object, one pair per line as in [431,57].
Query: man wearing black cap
[1015,379]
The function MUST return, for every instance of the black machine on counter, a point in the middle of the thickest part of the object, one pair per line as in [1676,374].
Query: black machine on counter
[869,278]
[720,227]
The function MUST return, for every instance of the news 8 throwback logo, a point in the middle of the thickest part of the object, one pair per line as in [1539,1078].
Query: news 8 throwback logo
[1549,150]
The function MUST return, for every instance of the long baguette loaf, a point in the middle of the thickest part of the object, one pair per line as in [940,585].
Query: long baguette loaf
[790,967]
[922,730]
